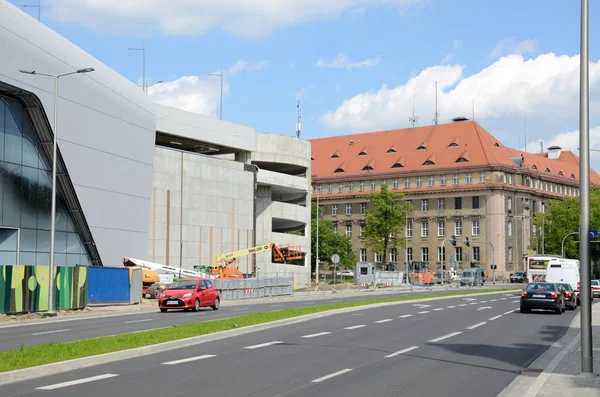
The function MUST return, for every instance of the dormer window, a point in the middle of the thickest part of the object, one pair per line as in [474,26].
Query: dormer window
[391,150]
[453,144]
[335,156]
[338,170]
[572,176]
[367,168]
[428,162]
[547,169]
[497,144]
[312,158]
[462,160]
[534,167]
[362,153]
[560,173]
[397,165]
[421,147]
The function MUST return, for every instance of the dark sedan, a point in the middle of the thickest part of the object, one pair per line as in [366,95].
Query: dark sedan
[545,296]
[569,294]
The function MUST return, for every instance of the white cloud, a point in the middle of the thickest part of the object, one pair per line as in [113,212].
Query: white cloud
[456,45]
[199,94]
[546,88]
[509,46]
[342,61]
[244,18]
[568,141]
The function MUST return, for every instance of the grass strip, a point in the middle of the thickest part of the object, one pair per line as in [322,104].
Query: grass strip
[30,356]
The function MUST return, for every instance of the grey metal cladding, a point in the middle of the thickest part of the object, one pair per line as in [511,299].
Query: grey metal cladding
[106,130]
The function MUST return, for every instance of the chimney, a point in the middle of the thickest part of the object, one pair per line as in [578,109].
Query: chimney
[554,152]
[459,119]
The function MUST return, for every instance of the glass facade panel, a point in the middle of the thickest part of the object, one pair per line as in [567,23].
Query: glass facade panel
[26,196]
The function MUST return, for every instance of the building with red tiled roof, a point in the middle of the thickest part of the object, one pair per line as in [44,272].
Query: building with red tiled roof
[461,181]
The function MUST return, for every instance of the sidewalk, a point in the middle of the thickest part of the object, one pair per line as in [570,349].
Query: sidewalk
[562,364]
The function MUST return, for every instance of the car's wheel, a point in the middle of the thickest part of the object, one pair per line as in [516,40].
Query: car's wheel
[216,305]
[154,290]
[559,310]
[163,310]
[525,310]
[196,305]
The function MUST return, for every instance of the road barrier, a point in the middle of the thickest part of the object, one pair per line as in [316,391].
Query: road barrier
[251,288]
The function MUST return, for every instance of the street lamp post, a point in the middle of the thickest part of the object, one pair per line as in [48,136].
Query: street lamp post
[562,244]
[38,6]
[317,246]
[51,311]
[155,83]
[221,76]
[143,49]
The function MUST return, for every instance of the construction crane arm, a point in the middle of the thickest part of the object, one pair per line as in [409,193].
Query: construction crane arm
[222,260]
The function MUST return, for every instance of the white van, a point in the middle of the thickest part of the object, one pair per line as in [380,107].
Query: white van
[562,270]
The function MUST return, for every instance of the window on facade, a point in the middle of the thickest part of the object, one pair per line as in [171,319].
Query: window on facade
[459,254]
[468,179]
[351,187]
[362,230]
[430,181]
[481,177]
[424,204]
[455,179]
[441,254]
[509,203]
[510,254]
[458,203]
[363,254]
[424,229]
[475,202]
[476,254]
[425,254]
[335,227]
[408,231]
[475,227]
[348,230]
[340,187]
[443,180]
[320,189]
[348,209]
[334,209]
[395,184]
[458,227]
[376,256]
[441,228]
[419,182]
[441,204]
[361,186]
[409,254]
[363,208]
[329,188]
[372,185]
[509,228]
[406,183]
[393,255]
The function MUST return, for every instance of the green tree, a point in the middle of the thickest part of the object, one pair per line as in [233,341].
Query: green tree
[385,220]
[330,242]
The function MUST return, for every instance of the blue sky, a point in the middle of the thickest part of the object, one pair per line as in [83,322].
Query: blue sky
[379,46]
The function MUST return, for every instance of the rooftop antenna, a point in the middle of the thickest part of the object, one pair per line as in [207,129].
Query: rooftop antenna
[298,126]
[436,113]
[525,128]
[473,109]
[413,120]
[542,146]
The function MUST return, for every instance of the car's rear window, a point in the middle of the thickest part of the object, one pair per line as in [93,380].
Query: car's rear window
[541,287]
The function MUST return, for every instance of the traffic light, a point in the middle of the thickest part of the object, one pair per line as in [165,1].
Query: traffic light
[467,241]
[453,240]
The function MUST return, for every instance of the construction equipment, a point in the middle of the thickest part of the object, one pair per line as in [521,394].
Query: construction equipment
[226,265]
[421,275]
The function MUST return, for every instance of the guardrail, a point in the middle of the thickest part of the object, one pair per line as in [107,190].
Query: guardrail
[252,288]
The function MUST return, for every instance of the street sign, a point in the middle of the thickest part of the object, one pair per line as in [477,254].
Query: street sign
[335,258]
[594,233]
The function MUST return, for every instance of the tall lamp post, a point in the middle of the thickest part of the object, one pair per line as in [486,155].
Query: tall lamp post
[51,311]
[221,76]
[38,6]
[317,245]
[143,50]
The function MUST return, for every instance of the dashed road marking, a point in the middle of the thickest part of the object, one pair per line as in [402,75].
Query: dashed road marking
[495,317]
[76,382]
[424,312]
[450,335]
[405,316]
[509,312]
[331,375]
[315,335]
[450,307]
[385,320]
[51,332]
[438,309]
[463,304]
[187,360]
[263,345]
[356,326]
[138,321]
[408,349]
[477,325]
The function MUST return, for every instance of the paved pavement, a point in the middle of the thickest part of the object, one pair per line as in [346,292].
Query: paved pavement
[30,333]
[450,347]
[561,367]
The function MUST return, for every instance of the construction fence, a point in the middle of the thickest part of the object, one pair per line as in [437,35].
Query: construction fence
[252,288]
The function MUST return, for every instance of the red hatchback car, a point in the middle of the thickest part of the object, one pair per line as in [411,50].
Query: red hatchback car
[189,293]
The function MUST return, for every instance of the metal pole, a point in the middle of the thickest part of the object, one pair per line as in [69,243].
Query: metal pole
[494,265]
[317,245]
[584,190]
[562,244]
[221,111]
[442,261]
[144,67]
[53,208]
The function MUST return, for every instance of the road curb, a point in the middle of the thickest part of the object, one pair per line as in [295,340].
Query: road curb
[85,362]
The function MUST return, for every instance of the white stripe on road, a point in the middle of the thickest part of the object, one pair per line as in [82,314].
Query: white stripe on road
[138,321]
[263,345]
[463,304]
[494,300]
[385,320]
[509,312]
[421,305]
[356,326]
[51,332]
[495,318]
[445,337]
[423,312]
[484,301]
[331,375]
[477,325]
[438,309]
[315,335]
[469,299]
[405,316]
[187,360]
[276,305]
[503,299]
[357,314]
[409,349]
[239,309]
[473,303]
[450,307]
[516,301]
[76,382]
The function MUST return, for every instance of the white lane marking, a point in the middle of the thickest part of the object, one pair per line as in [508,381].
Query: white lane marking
[495,317]
[484,302]
[463,304]
[76,382]
[315,335]
[263,345]
[473,303]
[476,325]
[509,312]
[438,309]
[408,349]
[356,326]
[405,316]
[517,301]
[385,320]
[51,332]
[445,337]
[138,321]
[494,300]
[331,375]
[239,309]
[421,305]
[187,360]
[503,299]
[357,314]
[469,299]
[276,305]
[423,312]
[484,307]
[450,307]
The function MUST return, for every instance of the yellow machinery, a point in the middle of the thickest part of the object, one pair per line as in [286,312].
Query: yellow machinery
[226,266]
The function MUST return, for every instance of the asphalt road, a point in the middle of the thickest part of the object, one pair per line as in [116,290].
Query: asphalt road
[453,347]
[63,330]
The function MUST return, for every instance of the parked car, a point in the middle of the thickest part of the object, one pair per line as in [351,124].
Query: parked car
[596,288]
[545,296]
[473,276]
[518,277]
[450,276]
[189,293]
[569,294]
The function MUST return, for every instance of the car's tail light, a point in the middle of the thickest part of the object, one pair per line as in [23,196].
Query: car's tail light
[524,294]
[578,286]
[568,294]
[553,295]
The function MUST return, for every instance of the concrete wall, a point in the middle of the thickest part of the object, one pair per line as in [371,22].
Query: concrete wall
[217,209]
[106,130]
